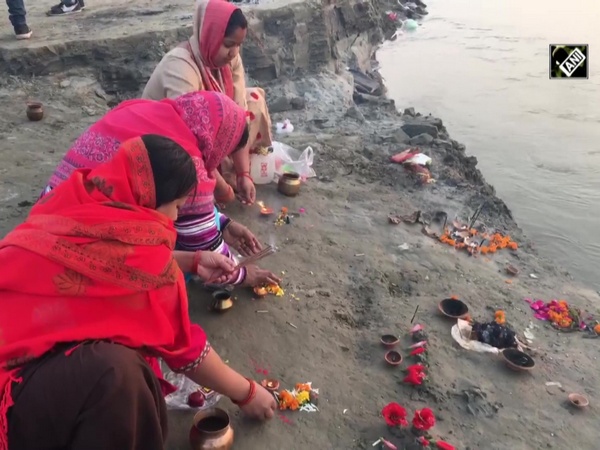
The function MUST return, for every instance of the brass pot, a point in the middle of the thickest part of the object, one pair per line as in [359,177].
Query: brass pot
[289,184]
[222,301]
[35,111]
[211,430]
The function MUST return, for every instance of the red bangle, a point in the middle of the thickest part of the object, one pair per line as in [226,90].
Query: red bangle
[249,397]
[196,261]
[244,174]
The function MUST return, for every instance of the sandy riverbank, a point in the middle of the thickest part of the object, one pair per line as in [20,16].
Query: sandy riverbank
[344,301]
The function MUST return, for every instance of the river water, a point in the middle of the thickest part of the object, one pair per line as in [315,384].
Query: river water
[482,66]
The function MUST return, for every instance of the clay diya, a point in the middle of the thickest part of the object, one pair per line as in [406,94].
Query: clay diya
[517,360]
[260,291]
[454,308]
[222,301]
[393,358]
[211,430]
[35,111]
[389,340]
[270,385]
[578,400]
[289,184]
[512,270]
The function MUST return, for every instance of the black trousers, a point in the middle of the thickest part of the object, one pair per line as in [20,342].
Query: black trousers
[16,12]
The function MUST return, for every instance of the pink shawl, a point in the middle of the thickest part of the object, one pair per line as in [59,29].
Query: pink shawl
[208,125]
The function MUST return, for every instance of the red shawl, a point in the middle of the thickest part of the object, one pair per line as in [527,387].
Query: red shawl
[208,125]
[93,261]
[210,23]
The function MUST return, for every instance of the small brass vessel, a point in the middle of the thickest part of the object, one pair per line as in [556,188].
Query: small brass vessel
[222,301]
[289,184]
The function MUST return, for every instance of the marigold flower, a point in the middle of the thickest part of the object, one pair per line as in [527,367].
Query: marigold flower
[303,387]
[303,397]
[597,329]
[288,401]
[500,317]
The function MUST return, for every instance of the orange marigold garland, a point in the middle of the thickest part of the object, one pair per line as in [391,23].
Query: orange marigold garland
[463,239]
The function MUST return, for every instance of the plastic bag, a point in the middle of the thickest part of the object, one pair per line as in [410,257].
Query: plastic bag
[288,159]
[185,387]
[461,332]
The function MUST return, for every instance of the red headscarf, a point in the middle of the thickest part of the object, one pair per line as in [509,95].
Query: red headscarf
[93,261]
[210,22]
[208,125]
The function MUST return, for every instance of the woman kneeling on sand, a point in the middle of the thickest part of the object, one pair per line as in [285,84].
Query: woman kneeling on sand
[209,126]
[210,60]
[90,295]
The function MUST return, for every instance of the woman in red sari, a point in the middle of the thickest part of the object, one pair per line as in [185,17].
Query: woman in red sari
[90,291]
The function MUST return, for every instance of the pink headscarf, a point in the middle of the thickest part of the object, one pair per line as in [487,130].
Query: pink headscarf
[210,22]
[208,125]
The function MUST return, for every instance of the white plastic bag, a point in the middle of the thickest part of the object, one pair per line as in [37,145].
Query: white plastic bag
[288,159]
[461,332]
[185,387]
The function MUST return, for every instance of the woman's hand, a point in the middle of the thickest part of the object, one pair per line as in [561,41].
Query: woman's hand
[246,189]
[213,373]
[259,277]
[241,239]
[262,406]
[214,267]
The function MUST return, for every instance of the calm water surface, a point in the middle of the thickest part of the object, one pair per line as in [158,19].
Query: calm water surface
[482,66]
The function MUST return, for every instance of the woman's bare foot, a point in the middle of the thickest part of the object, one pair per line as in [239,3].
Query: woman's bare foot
[256,276]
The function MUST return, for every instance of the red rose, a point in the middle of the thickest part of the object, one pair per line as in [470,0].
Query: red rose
[424,419]
[423,441]
[394,415]
[417,351]
[444,445]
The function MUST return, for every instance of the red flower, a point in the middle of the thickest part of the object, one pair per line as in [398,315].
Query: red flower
[417,351]
[424,442]
[442,445]
[394,415]
[416,374]
[424,419]
[415,368]
[415,378]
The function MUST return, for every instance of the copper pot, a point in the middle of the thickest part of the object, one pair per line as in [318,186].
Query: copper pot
[35,111]
[289,184]
[211,430]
